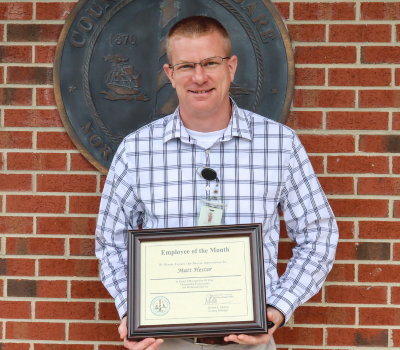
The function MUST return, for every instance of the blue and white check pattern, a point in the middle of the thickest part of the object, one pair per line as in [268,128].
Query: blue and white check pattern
[261,165]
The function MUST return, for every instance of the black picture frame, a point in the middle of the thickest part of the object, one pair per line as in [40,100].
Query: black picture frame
[209,329]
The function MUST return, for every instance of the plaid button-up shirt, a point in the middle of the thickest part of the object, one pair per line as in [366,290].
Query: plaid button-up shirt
[261,165]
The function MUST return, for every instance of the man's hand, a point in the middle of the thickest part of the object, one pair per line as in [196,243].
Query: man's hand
[273,315]
[145,344]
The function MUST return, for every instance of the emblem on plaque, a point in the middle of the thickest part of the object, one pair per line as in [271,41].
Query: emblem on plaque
[108,72]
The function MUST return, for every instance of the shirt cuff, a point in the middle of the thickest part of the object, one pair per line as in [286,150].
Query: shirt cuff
[285,302]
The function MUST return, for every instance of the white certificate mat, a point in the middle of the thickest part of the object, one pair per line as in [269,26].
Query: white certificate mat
[195,281]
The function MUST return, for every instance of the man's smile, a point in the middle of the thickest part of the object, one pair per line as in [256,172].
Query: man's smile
[201,91]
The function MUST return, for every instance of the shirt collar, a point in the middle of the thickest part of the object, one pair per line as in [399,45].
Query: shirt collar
[239,125]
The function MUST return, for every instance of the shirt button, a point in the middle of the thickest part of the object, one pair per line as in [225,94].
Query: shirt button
[208,188]
[207,151]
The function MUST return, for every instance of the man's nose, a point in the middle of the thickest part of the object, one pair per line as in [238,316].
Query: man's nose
[199,75]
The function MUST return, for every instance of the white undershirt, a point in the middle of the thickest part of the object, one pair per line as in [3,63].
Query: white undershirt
[205,139]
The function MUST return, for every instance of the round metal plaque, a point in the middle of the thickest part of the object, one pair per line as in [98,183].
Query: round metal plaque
[108,71]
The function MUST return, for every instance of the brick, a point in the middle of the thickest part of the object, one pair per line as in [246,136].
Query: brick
[328,143]
[45,97]
[341,273]
[396,251]
[309,76]
[396,211]
[102,182]
[65,183]
[64,347]
[37,161]
[84,204]
[379,230]
[21,288]
[82,246]
[1,288]
[15,309]
[396,121]
[1,75]
[373,251]
[16,96]
[356,294]
[80,163]
[45,54]
[396,165]
[325,54]
[16,11]
[17,267]
[360,207]
[107,311]
[397,32]
[15,182]
[395,295]
[359,77]
[379,186]
[380,10]
[15,139]
[35,330]
[111,347]
[360,33]
[397,77]
[299,336]
[317,163]
[379,273]
[337,185]
[285,250]
[30,75]
[380,54]
[65,310]
[51,289]
[396,337]
[324,98]
[380,143]
[33,32]
[54,140]
[283,8]
[357,120]
[65,225]
[56,10]
[1,161]
[357,165]
[1,32]
[35,204]
[346,229]
[32,118]
[306,32]
[317,298]
[379,316]
[325,315]
[346,251]
[89,290]
[304,120]
[357,337]
[68,267]
[379,98]
[93,332]
[34,246]
[324,11]
[15,54]
[15,346]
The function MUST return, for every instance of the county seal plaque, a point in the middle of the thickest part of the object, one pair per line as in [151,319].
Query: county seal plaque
[108,71]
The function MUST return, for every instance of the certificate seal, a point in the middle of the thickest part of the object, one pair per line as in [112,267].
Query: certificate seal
[160,306]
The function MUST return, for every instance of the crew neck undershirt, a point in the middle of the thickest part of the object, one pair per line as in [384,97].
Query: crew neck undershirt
[205,139]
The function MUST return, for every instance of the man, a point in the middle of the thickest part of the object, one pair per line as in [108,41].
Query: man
[261,166]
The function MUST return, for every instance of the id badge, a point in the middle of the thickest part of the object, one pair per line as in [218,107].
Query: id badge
[211,211]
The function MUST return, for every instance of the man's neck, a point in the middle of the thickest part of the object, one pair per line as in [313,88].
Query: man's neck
[206,122]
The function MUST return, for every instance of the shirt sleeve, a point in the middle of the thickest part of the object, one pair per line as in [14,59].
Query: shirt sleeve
[310,222]
[120,211]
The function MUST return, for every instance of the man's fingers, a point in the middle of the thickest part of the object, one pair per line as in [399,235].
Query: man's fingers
[156,345]
[122,329]
[144,344]
[248,339]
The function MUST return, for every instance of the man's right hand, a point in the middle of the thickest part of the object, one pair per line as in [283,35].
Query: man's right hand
[145,344]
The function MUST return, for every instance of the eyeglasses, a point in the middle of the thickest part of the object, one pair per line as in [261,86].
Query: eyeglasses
[208,64]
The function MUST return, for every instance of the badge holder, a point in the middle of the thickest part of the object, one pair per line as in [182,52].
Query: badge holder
[212,208]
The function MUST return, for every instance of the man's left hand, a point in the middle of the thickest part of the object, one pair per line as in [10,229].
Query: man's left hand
[273,315]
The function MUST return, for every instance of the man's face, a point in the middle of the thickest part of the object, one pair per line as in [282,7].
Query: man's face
[201,91]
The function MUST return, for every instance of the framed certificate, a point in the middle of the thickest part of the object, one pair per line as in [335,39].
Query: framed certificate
[196,281]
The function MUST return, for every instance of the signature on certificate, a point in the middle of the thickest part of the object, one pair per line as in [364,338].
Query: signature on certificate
[211,299]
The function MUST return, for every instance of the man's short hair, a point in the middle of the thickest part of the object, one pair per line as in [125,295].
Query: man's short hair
[198,26]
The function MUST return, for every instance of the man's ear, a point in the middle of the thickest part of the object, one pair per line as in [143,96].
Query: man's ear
[170,74]
[232,64]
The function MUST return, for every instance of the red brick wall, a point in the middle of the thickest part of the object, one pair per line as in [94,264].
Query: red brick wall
[346,111]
